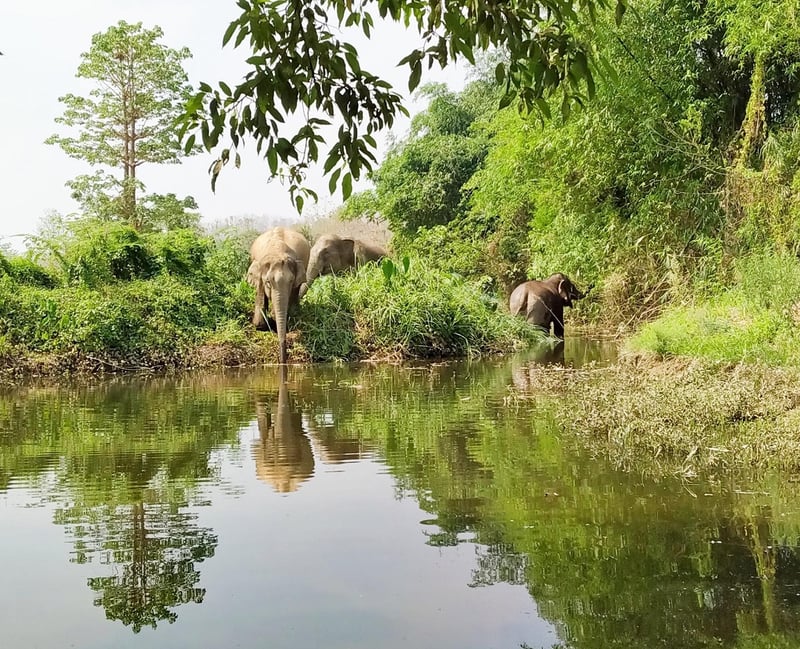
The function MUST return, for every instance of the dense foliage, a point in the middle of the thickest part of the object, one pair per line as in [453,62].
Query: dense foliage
[126,121]
[675,184]
[109,297]
[411,313]
[301,63]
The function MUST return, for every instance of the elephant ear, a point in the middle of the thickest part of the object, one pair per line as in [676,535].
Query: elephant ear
[564,291]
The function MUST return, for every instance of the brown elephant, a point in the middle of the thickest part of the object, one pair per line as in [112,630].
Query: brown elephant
[542,302]
[278,269]
[334,254]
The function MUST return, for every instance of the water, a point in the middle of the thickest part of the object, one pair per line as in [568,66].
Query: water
[375,506]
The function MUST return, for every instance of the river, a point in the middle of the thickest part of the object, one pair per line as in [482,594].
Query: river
[418,505]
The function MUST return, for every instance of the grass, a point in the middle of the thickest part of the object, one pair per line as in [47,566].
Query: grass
[754,321]
[171,321]
[680,417]
[413,313]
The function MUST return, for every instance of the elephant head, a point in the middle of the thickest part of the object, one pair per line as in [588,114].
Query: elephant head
[278,269]
[334,254]
[565,288]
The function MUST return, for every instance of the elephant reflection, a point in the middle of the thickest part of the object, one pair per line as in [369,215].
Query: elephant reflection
[332,447]
[525,375]
[283,455]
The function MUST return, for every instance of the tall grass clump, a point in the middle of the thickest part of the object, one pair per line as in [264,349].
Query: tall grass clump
[405,312]
[112,295]
[754,320]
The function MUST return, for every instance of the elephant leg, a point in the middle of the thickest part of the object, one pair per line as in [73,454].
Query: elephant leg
[558,323]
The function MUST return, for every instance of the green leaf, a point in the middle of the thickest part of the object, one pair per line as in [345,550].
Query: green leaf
[333,180]
[389,269]
[347,185]
[619,11]
[415,76]
[272,159]
[229,32]
[544,107]
[500,72]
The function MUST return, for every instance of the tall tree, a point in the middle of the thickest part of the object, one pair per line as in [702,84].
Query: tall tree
[128,118]
[766,35]
[301,63]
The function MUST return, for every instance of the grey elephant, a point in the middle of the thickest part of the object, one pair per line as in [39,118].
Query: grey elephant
[334,254]
[278,269]
[283,455]
[542,302]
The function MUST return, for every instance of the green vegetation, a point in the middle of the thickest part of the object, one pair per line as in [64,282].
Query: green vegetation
[116,299]
[660,165]
[301,63]
[126,121]
[673,191]
[404,313]
[755,320]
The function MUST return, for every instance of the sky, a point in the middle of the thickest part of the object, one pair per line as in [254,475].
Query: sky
[42,42]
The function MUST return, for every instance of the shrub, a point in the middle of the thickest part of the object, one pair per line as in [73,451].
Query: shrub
[420,312]
[28,272]
[755,320]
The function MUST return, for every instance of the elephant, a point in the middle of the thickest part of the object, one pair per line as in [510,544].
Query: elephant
[278,269]
[542,302]
[283,454]
[333,254]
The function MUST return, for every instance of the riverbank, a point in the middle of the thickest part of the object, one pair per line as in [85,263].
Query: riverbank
[679,417]
[114,300]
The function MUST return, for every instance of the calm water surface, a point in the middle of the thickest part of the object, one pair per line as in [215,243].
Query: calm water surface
[415,506]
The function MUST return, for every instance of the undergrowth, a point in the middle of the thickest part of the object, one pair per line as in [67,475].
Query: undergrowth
[755,320]
[417,313]
[683,418]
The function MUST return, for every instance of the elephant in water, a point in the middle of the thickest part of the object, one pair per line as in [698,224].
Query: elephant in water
[278,269]
[334,254]
[283,454]
[542,302]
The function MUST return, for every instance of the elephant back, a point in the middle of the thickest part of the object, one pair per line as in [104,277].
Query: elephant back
[281,239]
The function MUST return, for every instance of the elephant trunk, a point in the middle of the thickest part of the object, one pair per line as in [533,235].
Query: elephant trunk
[280,303]
[311,274]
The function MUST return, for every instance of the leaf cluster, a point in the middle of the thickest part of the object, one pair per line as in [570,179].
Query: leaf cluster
[299,63]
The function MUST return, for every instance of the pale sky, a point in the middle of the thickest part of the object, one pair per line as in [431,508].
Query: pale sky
[42,41]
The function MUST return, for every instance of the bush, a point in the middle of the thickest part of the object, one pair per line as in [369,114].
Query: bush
[756,320]
[142,321]
[28,272]
[418,313]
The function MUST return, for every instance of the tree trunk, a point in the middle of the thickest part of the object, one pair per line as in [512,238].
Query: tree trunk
[754,124]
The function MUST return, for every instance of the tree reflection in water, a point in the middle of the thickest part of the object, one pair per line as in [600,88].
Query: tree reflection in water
[123,463]
[611,559]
